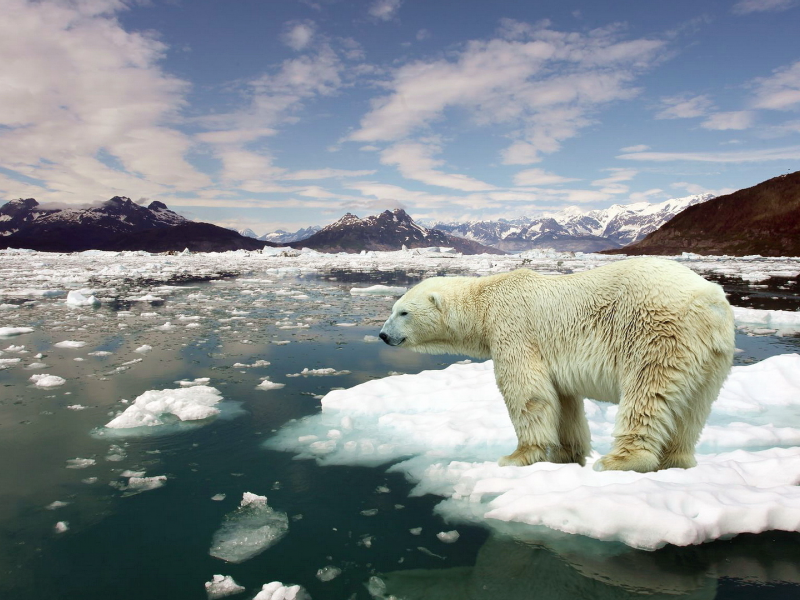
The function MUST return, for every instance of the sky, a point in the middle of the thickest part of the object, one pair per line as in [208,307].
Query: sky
[280,114]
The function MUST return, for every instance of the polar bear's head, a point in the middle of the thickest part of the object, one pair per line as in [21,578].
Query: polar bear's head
[418,320]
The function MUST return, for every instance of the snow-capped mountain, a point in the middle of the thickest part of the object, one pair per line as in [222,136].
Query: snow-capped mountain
[247,233]
[573,228]
[284,237]
[117,224]
[390,230]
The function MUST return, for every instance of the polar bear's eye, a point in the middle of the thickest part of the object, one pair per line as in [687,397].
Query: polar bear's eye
[404,313]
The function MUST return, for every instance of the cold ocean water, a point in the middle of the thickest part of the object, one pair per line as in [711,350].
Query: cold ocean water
[91,512]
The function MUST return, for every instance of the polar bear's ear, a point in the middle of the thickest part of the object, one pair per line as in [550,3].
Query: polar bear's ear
[436,299]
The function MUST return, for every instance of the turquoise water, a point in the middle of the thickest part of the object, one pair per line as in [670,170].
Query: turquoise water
[155,544]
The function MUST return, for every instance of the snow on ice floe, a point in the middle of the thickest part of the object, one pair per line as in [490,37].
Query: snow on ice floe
[76,298]
[276,590]
[249,530]
[69,344]
[9,331]
[156,408]
[446,429]
[221,586]
[43,380]
[379,290]
[782,322]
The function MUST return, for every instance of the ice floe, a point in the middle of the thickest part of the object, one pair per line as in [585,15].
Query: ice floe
[221,586]
[76,298]
[453,425]
[249,530]
[275,590]
[43,380]
[9,331]
[155,407]
[772,321]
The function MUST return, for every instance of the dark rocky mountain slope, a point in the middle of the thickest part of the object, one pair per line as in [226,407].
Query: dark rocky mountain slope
[763,219]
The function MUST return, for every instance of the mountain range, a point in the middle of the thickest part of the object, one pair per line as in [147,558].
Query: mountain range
[390,230]
[573,228]
[117,224]
[763,219]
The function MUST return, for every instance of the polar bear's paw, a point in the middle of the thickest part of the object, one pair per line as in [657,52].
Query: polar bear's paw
[523,456]
[640,460]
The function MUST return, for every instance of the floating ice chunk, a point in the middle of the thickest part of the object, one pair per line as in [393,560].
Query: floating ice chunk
[56,504]
[61,526]
[346,324]
[76,407]
[454,425]
[80,463]
[193,382]
[43,380]
[779,321]
[448,537]
[371,339]
[221,586]
[76,298]
[144,349]
[151,408]
[9,331]
[318,372]
[100,353]
[5,363]
[145,298]
[258,363]
[249,530]
[69,344]
[277,591]
[379,290]
[266,384]
[166,327]
[218,497]
[145,484]
[328,573]
[415,530]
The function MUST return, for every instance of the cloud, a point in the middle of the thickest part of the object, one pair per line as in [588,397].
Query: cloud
[298,35]
[324,174]
[385,10]
[415,161]
[87,87]
[637,148]
[539,177]
[736,120]
[613,183]
[542,88]
[741,156]
[745,7]
[684,106]
[781,91]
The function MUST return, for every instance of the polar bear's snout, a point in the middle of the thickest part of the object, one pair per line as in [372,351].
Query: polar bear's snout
[390,336]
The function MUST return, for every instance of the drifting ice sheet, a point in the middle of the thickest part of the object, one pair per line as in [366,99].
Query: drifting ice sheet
[249,530]
[454,425]
[151,408]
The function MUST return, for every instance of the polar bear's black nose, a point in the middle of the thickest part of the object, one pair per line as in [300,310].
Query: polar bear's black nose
[384,337]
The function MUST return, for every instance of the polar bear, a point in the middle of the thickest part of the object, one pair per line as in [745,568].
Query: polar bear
[646,333]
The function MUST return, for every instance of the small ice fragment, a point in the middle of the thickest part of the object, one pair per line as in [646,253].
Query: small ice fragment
[378,290]
[61,526]
[144,349]
[376,587]
[9,331]
[76,407]
[424,550]
[415,530]
[371,339]
[328,573]
[218,497]
[69,344]
[448,537]
[56,504]
[221,586]
[194,382]
[80,463]
[89,480]
[346,324]
[75,298]
[145,484]
[277,591]
[249,530]
[266,384]
[100,353]
[166,327]
[43,380]
[370,512]
[382,489]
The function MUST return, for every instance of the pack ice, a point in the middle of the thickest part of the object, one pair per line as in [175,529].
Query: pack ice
[453,425]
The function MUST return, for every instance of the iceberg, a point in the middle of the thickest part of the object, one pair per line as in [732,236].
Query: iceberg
[248,530]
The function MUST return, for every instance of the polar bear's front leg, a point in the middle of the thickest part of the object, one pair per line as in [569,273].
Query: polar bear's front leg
[533,406]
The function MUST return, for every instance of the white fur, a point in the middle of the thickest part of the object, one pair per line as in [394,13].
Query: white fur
[646,333]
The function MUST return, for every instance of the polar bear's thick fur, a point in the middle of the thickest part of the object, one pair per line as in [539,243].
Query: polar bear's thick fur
[646,333]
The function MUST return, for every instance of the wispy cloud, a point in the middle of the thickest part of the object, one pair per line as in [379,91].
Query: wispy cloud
[780,91]
[543,85]
[415,161]
[613,184]
[385,10]
[732,120]
[539,177]
[684,106]
[745,7]
[741,156]
[298,35]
